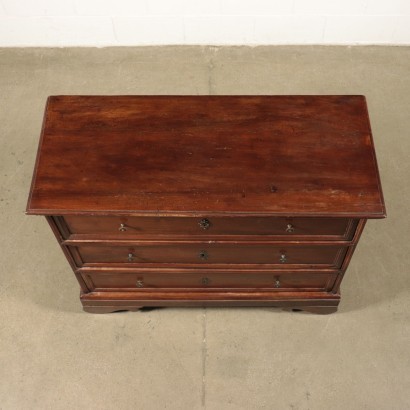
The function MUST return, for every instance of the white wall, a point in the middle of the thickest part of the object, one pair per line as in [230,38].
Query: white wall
[153,22]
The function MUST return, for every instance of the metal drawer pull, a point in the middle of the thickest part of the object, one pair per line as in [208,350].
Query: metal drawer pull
[140,283]
[204,223]
[290,228]
[277,282]
[283,258]
[205,281]
[130,257]
[122,228]
[203,255]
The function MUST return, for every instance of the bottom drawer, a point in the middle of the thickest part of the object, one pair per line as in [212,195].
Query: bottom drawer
[108,281]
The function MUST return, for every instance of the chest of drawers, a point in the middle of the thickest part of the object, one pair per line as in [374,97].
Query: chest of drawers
[207,200]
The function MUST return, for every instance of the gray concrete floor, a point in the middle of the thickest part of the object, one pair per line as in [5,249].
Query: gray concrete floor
[54,356]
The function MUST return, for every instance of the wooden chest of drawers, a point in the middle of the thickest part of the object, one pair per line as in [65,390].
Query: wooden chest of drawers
[207,200]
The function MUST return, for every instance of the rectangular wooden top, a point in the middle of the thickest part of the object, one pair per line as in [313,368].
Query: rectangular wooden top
[195,155]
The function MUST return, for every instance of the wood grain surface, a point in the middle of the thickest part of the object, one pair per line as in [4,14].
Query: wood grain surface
[182,155]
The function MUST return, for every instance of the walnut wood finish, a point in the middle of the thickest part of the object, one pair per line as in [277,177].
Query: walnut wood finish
[118,227]
[99,281]
[207,200]
[266,155]
[315,256]
[315,302]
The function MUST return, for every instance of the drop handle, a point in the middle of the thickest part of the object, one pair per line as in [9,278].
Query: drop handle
[290,228]
[140,283]
[277,282]
[131,257]
[283,258]
[122,228]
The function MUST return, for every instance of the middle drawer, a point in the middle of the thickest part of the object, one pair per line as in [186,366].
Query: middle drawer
[311,256]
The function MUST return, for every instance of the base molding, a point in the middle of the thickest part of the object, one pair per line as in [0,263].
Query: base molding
[108,302]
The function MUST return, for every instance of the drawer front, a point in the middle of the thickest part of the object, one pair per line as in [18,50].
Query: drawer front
[215,253]
[123,227]
[100,281]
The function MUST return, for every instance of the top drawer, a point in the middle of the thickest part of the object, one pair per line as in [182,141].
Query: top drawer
[127,227]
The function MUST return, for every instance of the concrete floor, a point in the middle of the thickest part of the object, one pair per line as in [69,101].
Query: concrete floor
[54,356]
